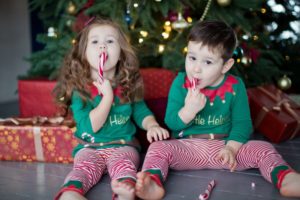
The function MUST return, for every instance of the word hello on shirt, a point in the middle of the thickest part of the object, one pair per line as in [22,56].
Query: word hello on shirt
[118,119]
[211,120]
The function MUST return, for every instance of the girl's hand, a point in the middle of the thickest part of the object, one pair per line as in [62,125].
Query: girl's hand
[104,87]
[227,154]
[156,133]
[194,101]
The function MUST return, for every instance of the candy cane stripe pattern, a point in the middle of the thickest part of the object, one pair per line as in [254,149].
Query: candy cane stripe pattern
[193,84]
[103,58]
[206,194]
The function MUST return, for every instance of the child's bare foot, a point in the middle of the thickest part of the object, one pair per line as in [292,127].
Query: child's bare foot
[124,191]
[71,195]
[291,185]
[147,189]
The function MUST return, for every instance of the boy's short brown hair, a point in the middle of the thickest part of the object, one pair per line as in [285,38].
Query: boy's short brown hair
[216,35]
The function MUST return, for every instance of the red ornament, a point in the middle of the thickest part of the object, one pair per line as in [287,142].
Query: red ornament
[250,52]
[172,16]
[186,13]
[80,22]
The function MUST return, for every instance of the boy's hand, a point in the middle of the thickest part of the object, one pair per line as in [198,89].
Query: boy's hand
[156,133]
[104,87]
[194,101]
[227,154]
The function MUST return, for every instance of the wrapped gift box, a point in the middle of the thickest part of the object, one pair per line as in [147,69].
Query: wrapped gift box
[273,113]
[157,83]
[44,142]
[36,99]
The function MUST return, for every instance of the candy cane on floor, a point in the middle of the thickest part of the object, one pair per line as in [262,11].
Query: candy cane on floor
[206,194]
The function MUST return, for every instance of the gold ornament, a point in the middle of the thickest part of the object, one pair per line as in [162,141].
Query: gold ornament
[71,8]
[180,24]
[284,82]
[224,2]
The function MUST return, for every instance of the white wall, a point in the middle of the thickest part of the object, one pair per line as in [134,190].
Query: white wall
[14,46]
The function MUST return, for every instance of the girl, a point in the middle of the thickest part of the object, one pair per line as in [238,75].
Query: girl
[209,115]
[103,107]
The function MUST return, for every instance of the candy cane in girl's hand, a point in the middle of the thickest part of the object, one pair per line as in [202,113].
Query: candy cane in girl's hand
[206,194]
[103,58]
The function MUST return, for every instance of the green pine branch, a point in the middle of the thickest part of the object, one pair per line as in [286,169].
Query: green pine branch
[150,16]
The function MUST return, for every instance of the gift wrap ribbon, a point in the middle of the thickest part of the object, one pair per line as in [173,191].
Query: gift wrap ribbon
[280,103]
[39,152]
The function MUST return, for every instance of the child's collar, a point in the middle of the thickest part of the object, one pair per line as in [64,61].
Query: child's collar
[213,91]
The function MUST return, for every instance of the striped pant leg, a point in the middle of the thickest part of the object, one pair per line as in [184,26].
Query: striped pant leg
[253,154]
[177,154]
[123,162]
[261,155]
[88,168]
[199,154]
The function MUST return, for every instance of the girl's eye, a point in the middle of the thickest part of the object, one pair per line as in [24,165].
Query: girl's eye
[94,41]
[110,41]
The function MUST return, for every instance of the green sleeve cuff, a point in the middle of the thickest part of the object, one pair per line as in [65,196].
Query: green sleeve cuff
[175,123]
[140,111]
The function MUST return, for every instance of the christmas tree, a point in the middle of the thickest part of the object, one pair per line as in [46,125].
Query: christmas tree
[158,30]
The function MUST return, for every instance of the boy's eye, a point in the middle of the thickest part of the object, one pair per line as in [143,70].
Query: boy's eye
[208,62]
[192,58]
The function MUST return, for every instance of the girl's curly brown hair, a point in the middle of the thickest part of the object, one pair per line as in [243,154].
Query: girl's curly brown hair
[75,71]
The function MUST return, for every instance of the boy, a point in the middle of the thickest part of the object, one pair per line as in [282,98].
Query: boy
[209,116]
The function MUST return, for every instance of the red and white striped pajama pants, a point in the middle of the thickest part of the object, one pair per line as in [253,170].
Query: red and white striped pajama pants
[191,154]
[90,164]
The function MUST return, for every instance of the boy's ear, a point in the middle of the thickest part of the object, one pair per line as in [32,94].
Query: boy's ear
[227,65]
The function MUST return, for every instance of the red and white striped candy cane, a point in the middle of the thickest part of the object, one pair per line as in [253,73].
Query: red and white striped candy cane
[103,58]
[193,83]
[206,194]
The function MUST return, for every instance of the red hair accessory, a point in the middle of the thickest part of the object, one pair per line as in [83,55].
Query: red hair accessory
[89,21]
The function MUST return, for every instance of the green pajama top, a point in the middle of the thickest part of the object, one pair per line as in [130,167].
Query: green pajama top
[118,125]
[226,110]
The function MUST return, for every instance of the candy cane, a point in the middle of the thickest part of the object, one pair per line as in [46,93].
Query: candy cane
[103,58]
[193,83]
[206,194]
